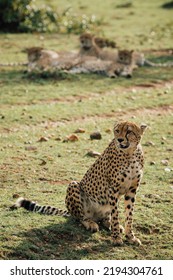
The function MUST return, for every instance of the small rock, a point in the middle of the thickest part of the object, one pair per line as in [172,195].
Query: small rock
[28,142]
[16,195]
[58,139]
[167,169]
[152,163]
[79,130]
[43,162]
[164,162]
[71,138]
[43,139]
[149,143]
[93,154]
[95,135]
[27,181]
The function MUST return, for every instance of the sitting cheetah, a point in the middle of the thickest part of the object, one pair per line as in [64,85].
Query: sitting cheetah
[94,199]
[93,46]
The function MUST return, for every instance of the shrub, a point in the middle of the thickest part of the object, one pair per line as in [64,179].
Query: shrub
[24,16]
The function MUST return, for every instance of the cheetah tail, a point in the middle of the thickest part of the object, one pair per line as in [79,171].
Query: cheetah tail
[34,207]
[152,64]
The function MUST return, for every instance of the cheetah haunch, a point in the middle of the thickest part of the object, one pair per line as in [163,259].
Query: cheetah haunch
[94,200]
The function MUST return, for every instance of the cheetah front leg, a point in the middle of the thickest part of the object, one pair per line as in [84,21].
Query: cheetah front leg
[115,225]
[111,74]
[129,207]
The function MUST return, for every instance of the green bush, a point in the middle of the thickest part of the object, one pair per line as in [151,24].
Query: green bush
[24,16]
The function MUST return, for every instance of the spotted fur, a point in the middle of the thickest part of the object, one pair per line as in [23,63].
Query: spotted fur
[121,66]
[42,59]
[90,46]
[94,200]
[104,42]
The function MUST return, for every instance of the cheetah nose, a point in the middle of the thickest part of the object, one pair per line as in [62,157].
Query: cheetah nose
[120,140]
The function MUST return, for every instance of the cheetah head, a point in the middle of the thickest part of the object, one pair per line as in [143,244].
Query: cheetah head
[125,57]
[128,135]
[33,53]
[86,41]
[100,42]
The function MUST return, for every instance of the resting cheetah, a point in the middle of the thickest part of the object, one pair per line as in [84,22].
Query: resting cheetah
[42,59]
[91,45]
[95,198]
[123,66]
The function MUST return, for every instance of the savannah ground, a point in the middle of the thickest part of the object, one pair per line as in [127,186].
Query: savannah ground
[35,108]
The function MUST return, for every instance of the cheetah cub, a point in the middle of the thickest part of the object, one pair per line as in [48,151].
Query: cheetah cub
[94,200]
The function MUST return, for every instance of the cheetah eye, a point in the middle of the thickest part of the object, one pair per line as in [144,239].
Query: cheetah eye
[117,131]
[129,131]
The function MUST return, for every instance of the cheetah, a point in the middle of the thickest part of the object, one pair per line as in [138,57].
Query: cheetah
[103,42]
[42,59]
[90,46]
[123,65]
[94,200]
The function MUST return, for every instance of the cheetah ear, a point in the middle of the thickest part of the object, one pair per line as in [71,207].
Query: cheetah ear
[143,128]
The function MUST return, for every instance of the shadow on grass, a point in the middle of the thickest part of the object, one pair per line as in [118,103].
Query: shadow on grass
[67,240]
[168,5]
[13,76]
[162,59]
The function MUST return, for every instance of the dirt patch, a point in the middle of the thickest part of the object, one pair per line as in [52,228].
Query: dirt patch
[154,84]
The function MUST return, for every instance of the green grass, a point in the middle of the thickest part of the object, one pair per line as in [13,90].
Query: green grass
[32,107]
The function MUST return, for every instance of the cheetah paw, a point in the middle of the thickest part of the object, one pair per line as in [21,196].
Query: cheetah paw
[117,241]
[133,240]
[90,225]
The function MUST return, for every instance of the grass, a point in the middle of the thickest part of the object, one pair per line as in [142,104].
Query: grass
[33,107]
